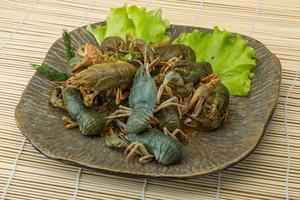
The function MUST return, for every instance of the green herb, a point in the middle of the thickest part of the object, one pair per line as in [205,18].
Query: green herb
[68,44]
[231,57]
[50,73]
[141,24]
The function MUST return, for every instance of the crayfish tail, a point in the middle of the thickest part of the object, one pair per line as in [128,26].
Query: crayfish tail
[139,120]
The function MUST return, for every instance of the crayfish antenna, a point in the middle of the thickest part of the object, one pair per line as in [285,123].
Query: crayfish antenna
[146,64]
[150,65]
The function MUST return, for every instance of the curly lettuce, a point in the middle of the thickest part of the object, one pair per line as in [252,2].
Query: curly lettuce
[231,57]
[141,24]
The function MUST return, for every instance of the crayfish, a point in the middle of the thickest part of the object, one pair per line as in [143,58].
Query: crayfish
[89,121]
[149,144]
[173,54]
[208,105]
[103,77]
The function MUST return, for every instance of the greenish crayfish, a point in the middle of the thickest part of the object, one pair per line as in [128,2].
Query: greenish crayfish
[173,54]
[149,144]
[90,122]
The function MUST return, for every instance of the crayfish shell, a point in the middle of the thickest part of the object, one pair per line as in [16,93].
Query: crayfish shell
[104,76]
[165,149]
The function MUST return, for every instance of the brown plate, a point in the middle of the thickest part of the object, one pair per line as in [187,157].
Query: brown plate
[206,153]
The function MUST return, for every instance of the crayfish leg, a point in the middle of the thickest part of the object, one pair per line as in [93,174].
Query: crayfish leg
[154,120]
[209,78]
[120,96]
[70,123]
[140,149]
[161,90]
[173,101]
[194,99]
[153,64]
[122,112]
[146,159]
[198,107]
[169,91]
[176,132]
[170,64]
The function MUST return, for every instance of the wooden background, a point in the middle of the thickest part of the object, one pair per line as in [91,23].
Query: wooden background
[27,30]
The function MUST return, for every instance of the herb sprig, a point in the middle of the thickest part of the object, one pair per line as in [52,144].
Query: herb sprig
[68,44]
[51,73]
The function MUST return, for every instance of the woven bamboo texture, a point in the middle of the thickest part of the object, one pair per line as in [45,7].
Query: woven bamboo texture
[27,30]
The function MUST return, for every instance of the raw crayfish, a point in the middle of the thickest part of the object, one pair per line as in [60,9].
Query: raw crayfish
[169,51]
[142,101]
[165,149]
[90,122]
[114,45]
[102,77]
[209,105]
[149,144]
[171,55]
[194,72]
[182,78]
[139,49]
[171,123]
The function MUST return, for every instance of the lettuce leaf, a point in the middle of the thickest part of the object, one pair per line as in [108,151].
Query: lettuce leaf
[231,57]
[141,24]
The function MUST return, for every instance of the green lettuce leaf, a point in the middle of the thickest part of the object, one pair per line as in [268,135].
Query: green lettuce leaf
[98,32]
[231,57]
[141,24]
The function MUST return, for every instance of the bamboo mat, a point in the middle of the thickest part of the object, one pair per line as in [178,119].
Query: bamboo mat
[27,30]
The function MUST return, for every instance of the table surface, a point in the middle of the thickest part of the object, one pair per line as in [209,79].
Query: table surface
[28,28]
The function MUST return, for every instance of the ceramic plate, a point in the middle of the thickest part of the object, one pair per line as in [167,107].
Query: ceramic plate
[207,152]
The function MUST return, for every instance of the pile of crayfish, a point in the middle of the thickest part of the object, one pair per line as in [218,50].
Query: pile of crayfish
[142,98]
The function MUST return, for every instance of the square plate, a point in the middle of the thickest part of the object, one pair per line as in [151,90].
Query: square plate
[207,152]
